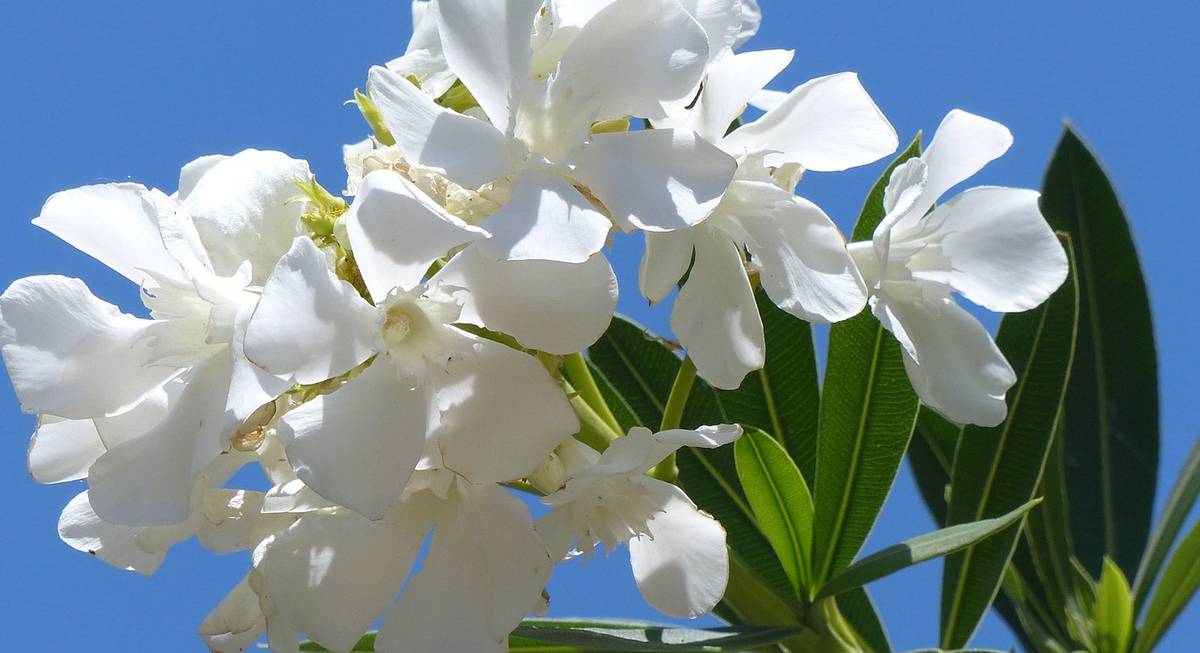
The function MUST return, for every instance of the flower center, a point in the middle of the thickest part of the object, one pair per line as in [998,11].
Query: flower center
[399,325]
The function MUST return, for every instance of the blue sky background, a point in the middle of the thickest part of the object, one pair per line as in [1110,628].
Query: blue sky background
[117,90]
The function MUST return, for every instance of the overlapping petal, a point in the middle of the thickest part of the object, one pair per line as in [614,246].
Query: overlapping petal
[554,307]
[309,325]
[655,180]
[358,446]
[397,231]
[547,219]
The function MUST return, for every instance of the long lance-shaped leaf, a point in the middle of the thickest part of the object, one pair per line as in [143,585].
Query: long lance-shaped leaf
[781,502]
[784,396]
[868,409]
[1112,436]
[919,549]
[1178,585]
[999,468]
[1179,504]
[1024,599]
[635,375]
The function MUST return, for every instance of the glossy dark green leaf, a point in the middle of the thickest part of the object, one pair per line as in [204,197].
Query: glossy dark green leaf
[1176,588]
[782,504]
[997,469]
[624,636]
[868,409]
[640,370]
[783,397]
[1044,552]
[1175,511]
[919,549]
[1112,421]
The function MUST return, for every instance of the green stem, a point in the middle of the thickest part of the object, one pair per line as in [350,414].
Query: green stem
[593,430]
[585,384]
[681,389]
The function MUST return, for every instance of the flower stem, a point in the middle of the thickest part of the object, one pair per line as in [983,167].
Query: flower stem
[585,384]
[593,430]
[673,415]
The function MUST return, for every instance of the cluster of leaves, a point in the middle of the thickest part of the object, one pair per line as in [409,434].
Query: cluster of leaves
[1045,516]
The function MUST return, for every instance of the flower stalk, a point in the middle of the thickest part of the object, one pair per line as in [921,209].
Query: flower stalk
[681,389]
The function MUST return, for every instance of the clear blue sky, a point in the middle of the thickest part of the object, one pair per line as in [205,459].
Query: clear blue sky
[103,91]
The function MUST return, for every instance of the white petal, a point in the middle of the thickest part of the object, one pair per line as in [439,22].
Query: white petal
[664,262]
[82,530]
[470,151]
[115,224]
[767,99]
[72,355]
[294,497]
[633,58]
[730,85]
[545,219]
[801,255]
[826,124]
[486,568]
[150,479]
[954,365]
[962,145]
[1002,254]
[309,323]
[751,16]
[242,211]
[904,188]
[231,518]
[705,437]
[333,576]
[553,307]
[62,450]
[682,567]
[250,386]
[358,445]
[492,68]
[236,624]
[657,180]
[721,20]
[715,316]
[397,232]
[502,414]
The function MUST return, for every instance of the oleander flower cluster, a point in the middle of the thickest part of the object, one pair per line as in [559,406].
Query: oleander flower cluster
[391,356]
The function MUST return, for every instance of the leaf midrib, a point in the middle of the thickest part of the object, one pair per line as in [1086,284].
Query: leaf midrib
[840,518]
[1104,430]
[785,514]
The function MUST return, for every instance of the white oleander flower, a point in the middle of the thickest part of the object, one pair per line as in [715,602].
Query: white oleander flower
[677,552]
[196,256]
[424,59]
[358,445]
[332,573]
[634,57]
[826,124]
[990,244]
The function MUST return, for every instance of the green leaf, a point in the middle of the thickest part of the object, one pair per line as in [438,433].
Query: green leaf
[783,397]
[1179,504]
[1112,427]
[997,469]
[781,502]
[1176,587]
[919,549]
[859,611]
[1113,623]
[639,370]
[868,409]
[624,636]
